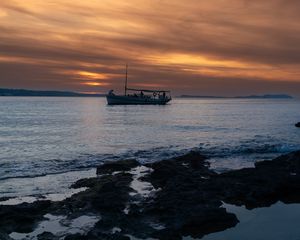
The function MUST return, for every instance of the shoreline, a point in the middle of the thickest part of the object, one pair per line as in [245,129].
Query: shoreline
[168,199]
[220,159]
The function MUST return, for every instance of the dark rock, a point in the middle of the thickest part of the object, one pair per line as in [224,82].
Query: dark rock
[117,166]
[102,236]
[4,236]
[262,186]
[85,182]
[108,193]
[47,236]
[23,217]
[185,204]
[2,199]
[297,124]
[185,166]
[188,201]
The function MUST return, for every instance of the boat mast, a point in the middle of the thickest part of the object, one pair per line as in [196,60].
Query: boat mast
[125,90]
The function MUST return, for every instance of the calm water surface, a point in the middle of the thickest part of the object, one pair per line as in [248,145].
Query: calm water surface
[277,222]
[42,136]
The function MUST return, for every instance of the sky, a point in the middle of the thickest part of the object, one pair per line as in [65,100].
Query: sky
[215,47]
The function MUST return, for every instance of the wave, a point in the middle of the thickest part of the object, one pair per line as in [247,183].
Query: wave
[251,149]
[34,168]
[248,149]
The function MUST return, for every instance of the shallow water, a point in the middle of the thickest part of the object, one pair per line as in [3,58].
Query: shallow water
[59,226]
[141,188]
[42,136]
[278,222]
[55,186]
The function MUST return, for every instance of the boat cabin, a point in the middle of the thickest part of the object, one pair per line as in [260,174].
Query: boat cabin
[134,96]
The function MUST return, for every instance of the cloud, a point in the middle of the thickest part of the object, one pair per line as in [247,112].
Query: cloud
[183,45]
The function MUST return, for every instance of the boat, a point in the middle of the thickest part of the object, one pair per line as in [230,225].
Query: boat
[134,96]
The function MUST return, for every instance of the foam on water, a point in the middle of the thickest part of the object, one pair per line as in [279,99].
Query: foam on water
[59,226]
[53,187]
[55,197]
[140,187]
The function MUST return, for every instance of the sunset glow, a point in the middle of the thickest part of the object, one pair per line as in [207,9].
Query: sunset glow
[91,75]
[210,46]
[95,84]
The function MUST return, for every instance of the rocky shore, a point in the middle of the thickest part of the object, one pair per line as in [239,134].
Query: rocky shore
[163,200]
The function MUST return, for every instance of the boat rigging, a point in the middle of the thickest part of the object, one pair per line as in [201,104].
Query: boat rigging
[138,96]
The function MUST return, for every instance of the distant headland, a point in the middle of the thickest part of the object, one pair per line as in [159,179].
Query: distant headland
[266,96]
[40,93]
[35,93]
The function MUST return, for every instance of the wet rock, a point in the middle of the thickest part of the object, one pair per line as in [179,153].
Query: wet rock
[47,236]
[4,236]
[23,217]
[297,124]
[117,166]
[107,194]
[2,199]
[85,182]
[187,201]
[187,166]
[98,236]
[264,185]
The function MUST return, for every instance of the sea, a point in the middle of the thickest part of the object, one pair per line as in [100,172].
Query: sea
[47,143]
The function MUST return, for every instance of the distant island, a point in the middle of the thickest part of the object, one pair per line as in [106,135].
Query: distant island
[266,96]
[36,93]
[40,93]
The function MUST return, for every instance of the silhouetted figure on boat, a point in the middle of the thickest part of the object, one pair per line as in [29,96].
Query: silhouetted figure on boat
[139,96]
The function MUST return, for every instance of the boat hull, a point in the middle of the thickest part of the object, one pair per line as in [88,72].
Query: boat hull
[131,100]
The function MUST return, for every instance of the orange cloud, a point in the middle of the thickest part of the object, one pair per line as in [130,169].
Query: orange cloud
[193,60]
[95,84]
[2,13]
[187,46]
[92,75]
